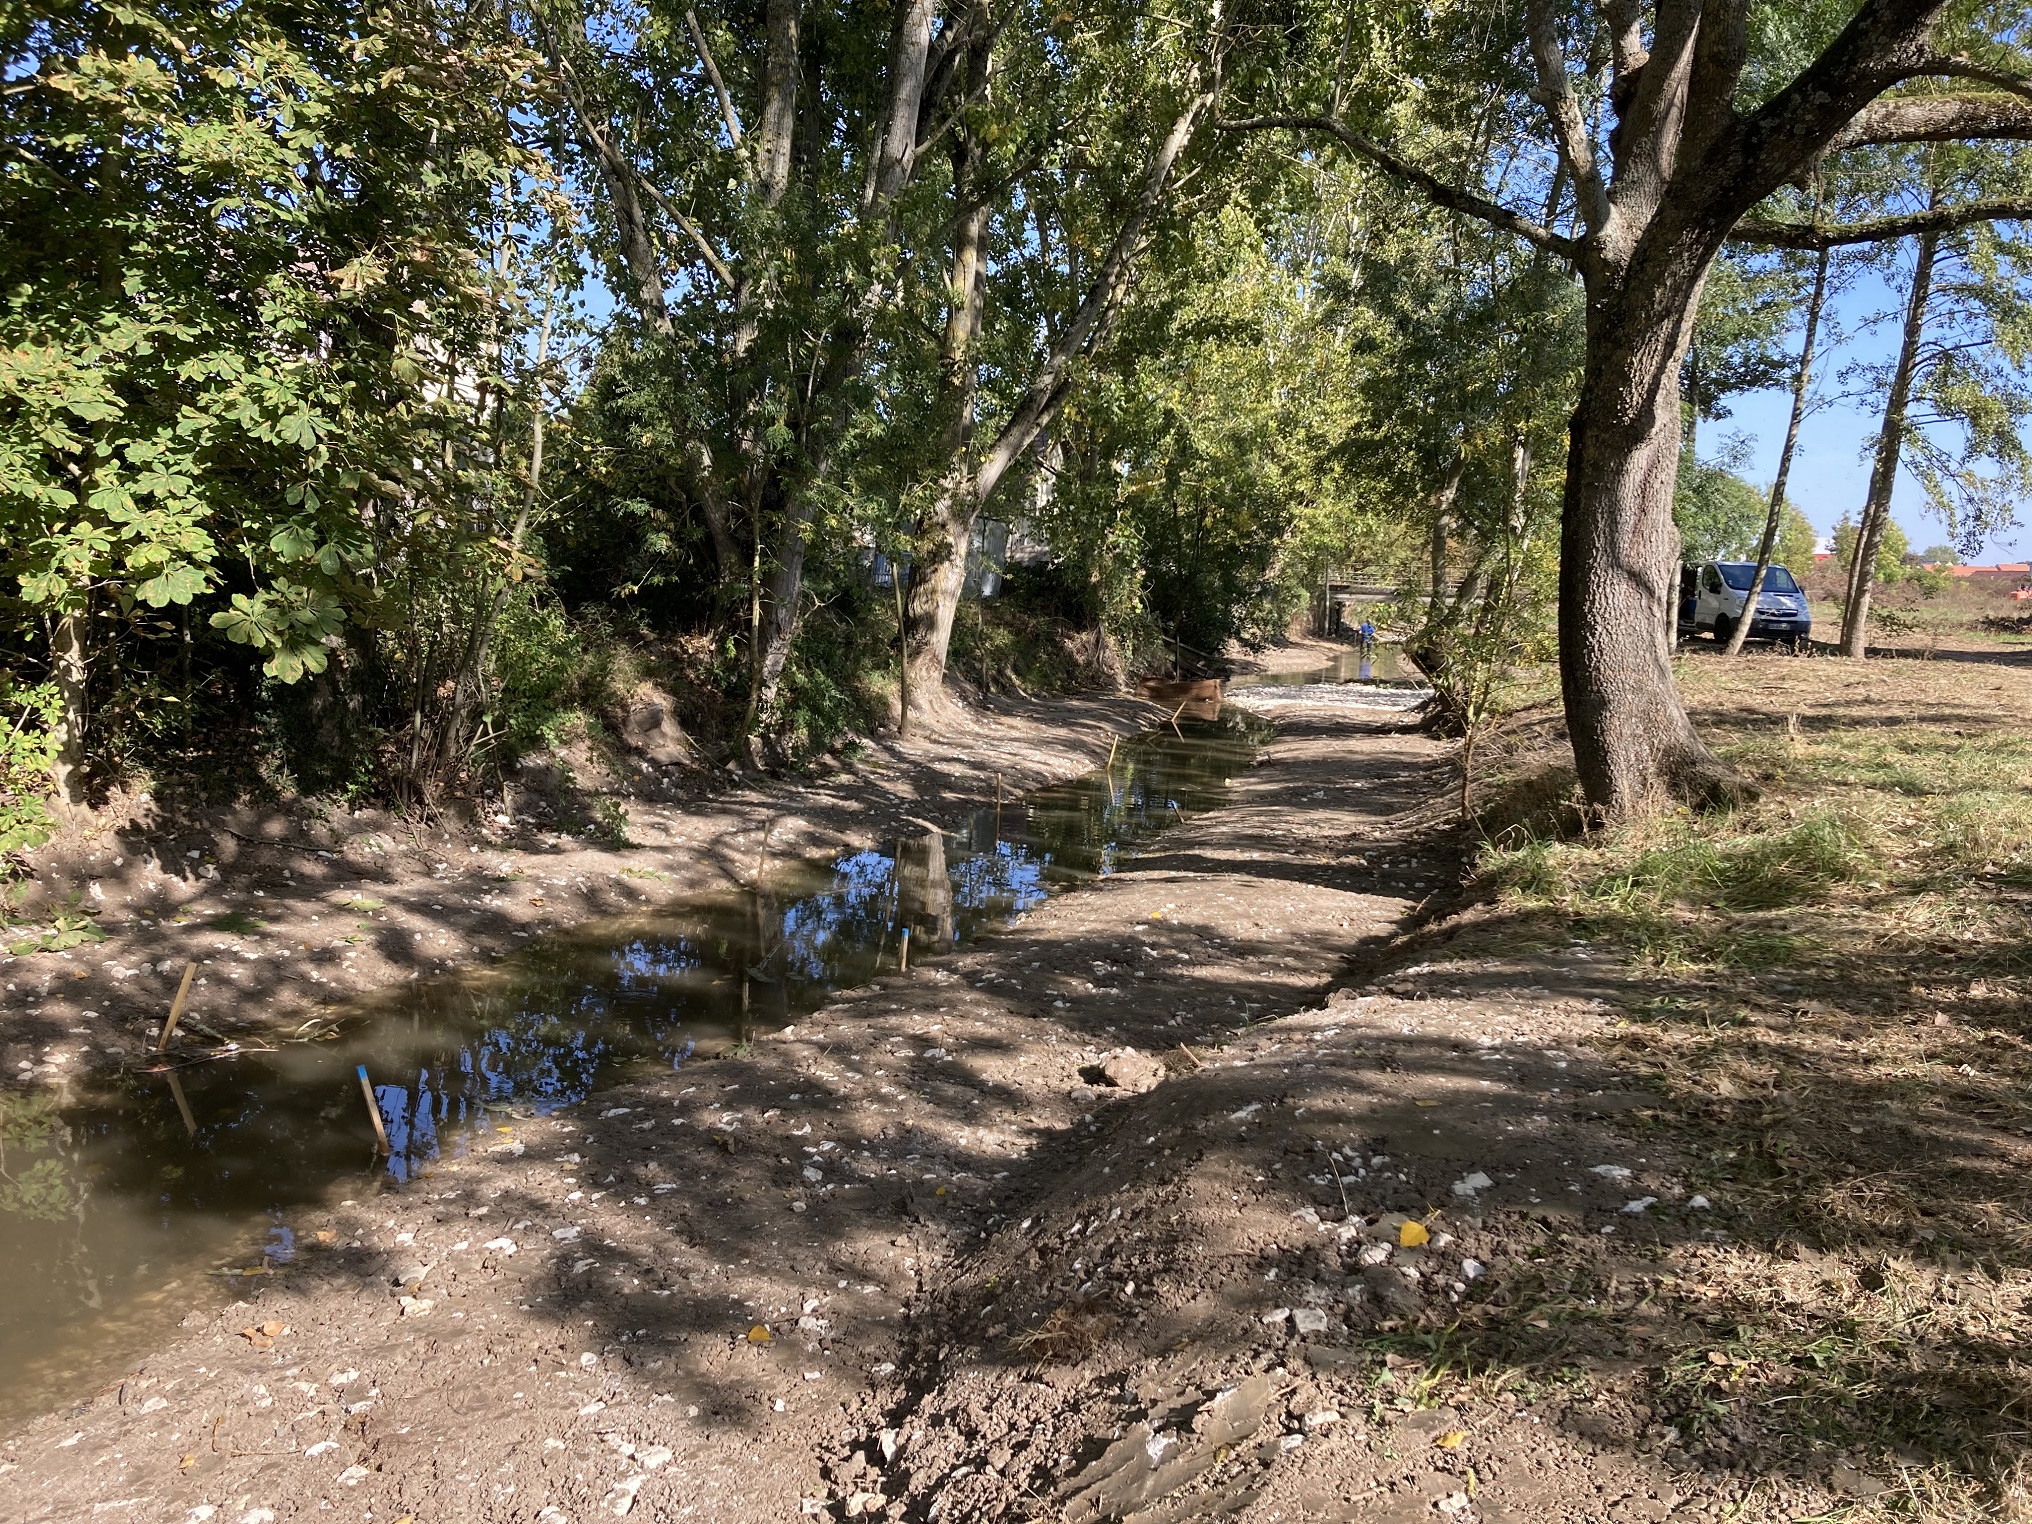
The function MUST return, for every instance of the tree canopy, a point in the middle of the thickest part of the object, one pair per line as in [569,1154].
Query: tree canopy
[379,385]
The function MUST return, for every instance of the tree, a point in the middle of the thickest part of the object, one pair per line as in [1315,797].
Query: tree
[1717,513]
[1888,563]
[1958,398]
[1774,521]
[1698,130]
[252,346]
[863,279]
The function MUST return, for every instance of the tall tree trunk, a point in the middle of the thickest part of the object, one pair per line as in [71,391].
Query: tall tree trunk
[939,577]
[472,677]
[971,486]
[1774,514]
[69,670]
[1634,747]
[1884,473]
[1442,523]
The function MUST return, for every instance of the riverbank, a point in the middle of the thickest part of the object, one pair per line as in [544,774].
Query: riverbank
[1234,1187]
[720,1207]
[294,914]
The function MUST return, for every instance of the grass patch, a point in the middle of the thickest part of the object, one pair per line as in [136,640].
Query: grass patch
[1836,1008]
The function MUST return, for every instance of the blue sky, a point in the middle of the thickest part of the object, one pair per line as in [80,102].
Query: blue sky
[1830,470]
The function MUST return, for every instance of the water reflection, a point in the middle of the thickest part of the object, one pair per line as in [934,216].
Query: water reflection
[141,1191]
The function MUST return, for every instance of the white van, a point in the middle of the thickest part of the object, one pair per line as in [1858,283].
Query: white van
[1711,595]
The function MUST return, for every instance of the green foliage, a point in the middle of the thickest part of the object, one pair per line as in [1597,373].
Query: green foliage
[1796,540]
[40,1192]
[66,930]
[27,750]
[553,675]
[1891,551]
[1720,516]
[243,328]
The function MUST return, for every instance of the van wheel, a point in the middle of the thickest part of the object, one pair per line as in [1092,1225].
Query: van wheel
[1724,629]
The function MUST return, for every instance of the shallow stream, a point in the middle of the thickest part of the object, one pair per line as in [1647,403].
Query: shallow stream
[149,1194]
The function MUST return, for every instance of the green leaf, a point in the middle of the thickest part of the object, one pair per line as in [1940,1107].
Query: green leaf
[178,584]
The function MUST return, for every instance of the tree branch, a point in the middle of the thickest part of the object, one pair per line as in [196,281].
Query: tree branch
[1938,119]
[1555,94]
[1944,219]
[705,57]
[1095,316]
[1953,66]
[1434,189]
[1626,35]
[713,261]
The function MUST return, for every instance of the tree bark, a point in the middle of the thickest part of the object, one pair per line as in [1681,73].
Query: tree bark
[1774,514]
[68,668]
[617,172]
[1685,166]
[1442,522]
[1884,472]
[939,577]
[1634,747]
[940,572]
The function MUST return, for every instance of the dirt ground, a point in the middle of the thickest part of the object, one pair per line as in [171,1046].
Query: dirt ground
[1260,1181]
[918,1257]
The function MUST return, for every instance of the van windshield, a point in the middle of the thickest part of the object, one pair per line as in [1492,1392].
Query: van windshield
[1776,578]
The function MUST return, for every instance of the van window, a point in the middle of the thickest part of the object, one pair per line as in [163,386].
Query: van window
[1776,578]
[1709,580]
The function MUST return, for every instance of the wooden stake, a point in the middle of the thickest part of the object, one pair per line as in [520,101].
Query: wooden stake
[176,1007]
[374,1110]
[998,790]
[1174,718]
[903,953]
[1112,744]
[190,1123]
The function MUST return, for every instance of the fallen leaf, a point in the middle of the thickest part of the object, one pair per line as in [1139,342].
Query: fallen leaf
[1452,1439]
[257,1338]
[273,1329]
[1426,1103]
[1412,1234]
[760,1334]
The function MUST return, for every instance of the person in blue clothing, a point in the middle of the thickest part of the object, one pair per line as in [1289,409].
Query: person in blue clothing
[1365,634]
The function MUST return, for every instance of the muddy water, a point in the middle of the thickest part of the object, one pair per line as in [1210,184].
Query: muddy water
[162,1192]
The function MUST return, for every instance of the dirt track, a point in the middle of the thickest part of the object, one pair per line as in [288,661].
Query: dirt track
[916,1258]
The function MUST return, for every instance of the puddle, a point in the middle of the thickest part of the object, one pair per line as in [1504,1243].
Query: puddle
[146,1197]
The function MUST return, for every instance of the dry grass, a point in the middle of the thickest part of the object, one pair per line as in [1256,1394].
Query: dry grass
[1839,1021]
[1069,1331]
